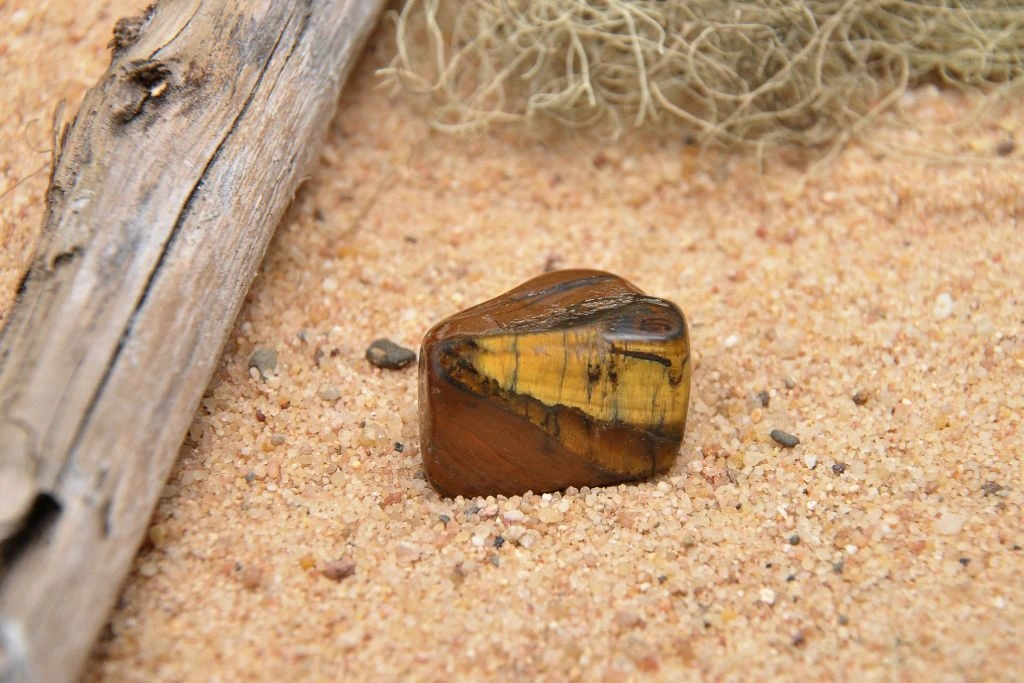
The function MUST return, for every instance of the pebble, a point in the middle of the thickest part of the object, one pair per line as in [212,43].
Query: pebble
[685,503]
[549,515]
[767,596]
[373,434]
[528,538]
[784,439]
[949,523]
[407,553]
[328,393]
[265,361]
[811,461]
[943,307]
[386,354]
[158,535]
[19,20]
[252,577]
[513,516]
[860,397]
[340,569]
[991,488]
[627,618]
[838,468]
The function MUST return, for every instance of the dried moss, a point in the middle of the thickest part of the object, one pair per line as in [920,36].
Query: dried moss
[731,73]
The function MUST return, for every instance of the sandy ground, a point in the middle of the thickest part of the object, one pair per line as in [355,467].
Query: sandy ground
[887,545]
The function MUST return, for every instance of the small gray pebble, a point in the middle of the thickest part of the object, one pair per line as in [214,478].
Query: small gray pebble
[264,360]
[784,439]
[328,393]
[991,488]
[386,354]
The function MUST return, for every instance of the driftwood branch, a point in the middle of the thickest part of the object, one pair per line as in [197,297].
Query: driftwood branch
[165,191]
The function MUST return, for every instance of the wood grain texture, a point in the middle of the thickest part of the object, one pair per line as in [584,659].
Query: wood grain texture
[165,191]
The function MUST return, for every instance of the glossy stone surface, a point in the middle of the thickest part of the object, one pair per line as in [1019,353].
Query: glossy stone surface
[574,378]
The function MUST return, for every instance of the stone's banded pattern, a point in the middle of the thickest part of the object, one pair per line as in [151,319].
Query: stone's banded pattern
[575,378]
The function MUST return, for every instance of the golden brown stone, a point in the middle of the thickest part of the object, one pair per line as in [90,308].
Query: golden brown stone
[575,378]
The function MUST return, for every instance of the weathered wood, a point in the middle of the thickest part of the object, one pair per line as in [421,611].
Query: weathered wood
[165,191]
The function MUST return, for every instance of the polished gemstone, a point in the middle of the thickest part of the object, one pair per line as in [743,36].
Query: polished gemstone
[574,378]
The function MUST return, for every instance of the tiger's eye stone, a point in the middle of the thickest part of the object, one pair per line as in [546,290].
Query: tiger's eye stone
[575,378]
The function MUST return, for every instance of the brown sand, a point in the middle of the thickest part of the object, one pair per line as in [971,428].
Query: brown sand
[877,275]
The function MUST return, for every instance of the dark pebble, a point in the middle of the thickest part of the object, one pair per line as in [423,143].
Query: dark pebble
[798,639]
[794,540]
[839,468]
[250,477]
[444,519]
[860,398]
[1005,148]
[662,578]
[838,567]
[472,509]
[843,620]
[386,354]
[499,541]
[264,360]
[965,561]
[399,446]
[784,439]
[991,488]
[339,569]
[764,397]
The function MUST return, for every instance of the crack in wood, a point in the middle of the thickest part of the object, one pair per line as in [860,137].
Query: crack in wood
[34,527]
